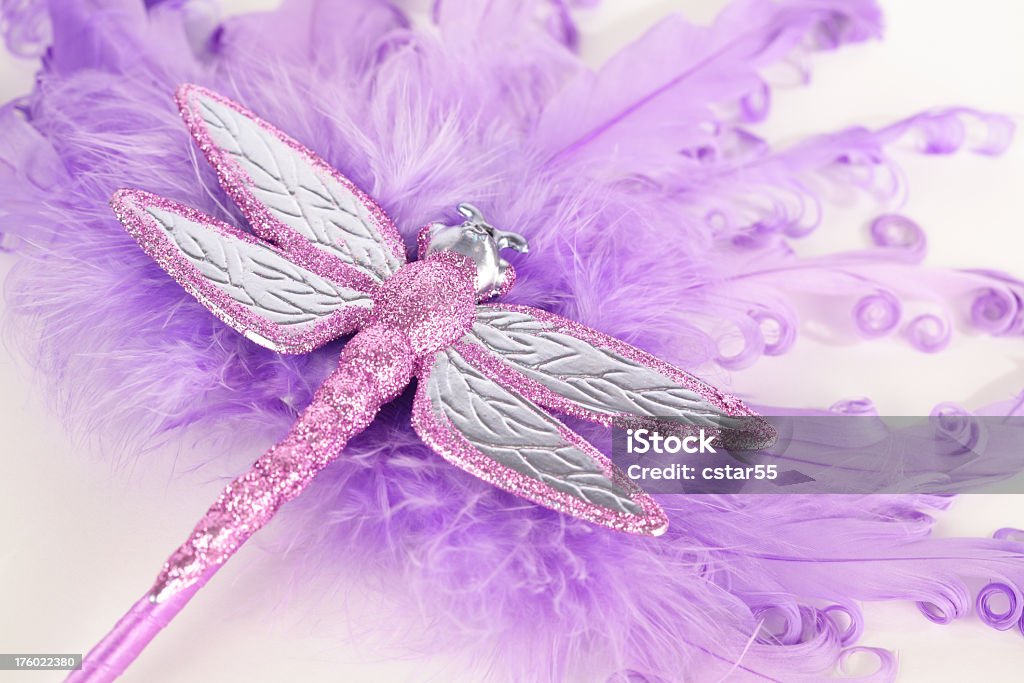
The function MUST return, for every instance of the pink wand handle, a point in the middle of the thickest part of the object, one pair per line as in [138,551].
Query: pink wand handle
[374,367]
[119,648]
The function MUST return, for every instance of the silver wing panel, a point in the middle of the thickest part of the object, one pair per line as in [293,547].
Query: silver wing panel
[249,285]
[513,432]
[255,276]
[307,199]
[599,379]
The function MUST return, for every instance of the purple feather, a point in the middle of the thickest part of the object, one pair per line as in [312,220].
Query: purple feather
[599,169]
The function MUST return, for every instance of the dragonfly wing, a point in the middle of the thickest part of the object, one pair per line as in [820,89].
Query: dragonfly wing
[290,196]
[571,368]
[244,282]
[502,437]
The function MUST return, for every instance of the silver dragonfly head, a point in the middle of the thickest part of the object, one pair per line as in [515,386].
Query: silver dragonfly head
[482,243]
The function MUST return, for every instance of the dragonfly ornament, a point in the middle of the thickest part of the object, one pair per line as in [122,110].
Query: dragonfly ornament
[326,261]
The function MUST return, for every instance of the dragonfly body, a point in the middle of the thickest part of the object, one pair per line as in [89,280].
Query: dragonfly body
[432,303]
[326,261]
[425,307]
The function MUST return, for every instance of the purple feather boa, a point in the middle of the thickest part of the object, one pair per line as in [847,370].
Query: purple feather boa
[489,103]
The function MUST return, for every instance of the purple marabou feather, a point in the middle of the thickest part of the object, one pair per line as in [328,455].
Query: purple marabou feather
[600,170]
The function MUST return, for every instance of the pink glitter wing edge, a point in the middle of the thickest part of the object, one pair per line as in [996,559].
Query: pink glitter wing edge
[758,432]
[438,433]
[129,207]
[237,183]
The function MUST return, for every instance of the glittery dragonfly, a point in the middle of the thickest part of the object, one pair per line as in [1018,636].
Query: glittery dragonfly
[326,261]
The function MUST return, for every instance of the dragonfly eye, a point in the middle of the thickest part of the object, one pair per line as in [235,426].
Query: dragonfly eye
[480,242]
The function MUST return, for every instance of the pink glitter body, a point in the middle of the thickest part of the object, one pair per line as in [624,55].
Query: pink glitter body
[423,308]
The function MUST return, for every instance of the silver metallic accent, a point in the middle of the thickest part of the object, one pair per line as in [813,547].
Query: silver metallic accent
[302,197]
[597,379]
[513,431]
[481,242]
[257,277]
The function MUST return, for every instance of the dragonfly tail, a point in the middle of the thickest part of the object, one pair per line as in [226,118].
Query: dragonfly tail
[374,367]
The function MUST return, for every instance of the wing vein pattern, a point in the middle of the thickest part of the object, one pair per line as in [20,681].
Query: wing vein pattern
[301,196]
[515,433]
[596,378]
[255,276]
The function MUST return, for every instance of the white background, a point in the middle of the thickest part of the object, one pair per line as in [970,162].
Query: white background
[82,541]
